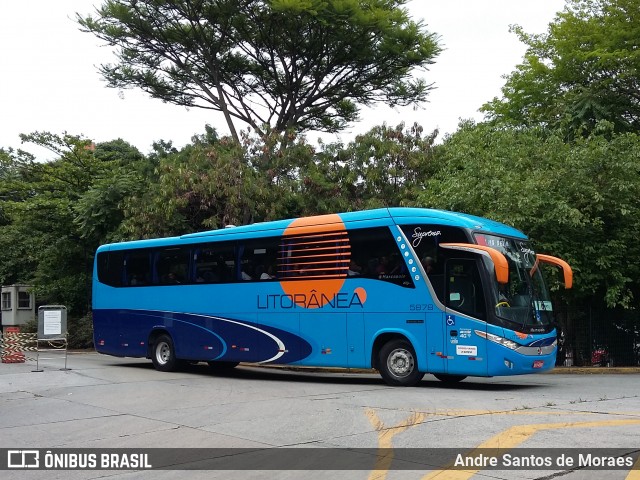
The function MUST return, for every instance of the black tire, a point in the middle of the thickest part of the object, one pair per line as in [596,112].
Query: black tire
[398,364]
[222,367]
[163,355]
[449,379]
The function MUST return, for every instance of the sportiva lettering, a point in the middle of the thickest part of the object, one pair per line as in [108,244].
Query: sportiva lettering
[418,235]
[314,300]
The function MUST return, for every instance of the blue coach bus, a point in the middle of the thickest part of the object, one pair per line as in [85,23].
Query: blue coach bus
[406,291]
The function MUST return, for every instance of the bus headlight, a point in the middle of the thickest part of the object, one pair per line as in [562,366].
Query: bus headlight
[510,344]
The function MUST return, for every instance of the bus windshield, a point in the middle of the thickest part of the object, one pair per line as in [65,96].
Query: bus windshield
[524,300]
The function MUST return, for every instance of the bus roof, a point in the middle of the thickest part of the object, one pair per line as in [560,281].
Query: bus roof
[381,216]
[456,219]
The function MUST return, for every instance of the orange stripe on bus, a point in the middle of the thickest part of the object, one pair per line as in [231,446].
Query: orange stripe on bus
[320,255]
[327,262]
[335,233]
[293,249]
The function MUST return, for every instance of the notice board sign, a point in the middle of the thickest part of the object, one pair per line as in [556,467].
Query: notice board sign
[52,322]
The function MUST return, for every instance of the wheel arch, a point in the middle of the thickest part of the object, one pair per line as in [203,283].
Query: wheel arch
[153,336]
[386,336]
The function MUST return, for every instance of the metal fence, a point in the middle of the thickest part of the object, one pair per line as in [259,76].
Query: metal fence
[598,337]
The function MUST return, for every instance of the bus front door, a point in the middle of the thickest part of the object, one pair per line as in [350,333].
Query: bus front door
[466,352]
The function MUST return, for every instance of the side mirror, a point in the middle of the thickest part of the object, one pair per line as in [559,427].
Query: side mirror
[499,260]
[566,269]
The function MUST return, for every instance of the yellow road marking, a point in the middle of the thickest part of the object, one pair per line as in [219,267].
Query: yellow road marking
[634,474]
[385,434]
[526,411]
[509,438]
[514,436]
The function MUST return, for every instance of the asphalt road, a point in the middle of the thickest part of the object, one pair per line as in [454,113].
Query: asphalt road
[105,402]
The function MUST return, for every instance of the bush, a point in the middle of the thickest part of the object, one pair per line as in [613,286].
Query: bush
[80,332]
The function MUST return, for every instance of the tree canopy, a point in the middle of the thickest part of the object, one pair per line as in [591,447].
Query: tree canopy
[584,70]
[577,200]
[279,64]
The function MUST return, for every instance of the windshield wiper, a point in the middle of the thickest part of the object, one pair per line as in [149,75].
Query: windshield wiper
[530,310]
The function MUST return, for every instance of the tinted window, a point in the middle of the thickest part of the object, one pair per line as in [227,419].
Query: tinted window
[137,265]
[314,256]
[371,253]
[375,254]
[172,266]
[259,259]
[425,240]
[110,270]
[215,263]
[464,287]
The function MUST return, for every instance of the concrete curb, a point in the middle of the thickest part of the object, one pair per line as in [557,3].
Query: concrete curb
[596,370]
[557,370]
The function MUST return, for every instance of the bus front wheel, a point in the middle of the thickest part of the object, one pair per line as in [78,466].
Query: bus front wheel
[164,355]
[398,364]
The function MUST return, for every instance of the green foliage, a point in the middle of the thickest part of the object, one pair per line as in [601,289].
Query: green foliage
[274,65]
[17,242]
[387,166]
[122,172]
[214,182]
[391,165]
[36,234]
[280,160]
[99,213]
[55,214]
[206,185]
[80,331]
[584,70]
[577,201]
[11,164]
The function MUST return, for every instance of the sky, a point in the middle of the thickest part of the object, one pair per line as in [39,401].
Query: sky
[49,78]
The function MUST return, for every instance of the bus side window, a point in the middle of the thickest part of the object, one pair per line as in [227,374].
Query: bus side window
[137,268]
[172,266]
[215,263]
[375,252]
[316,256]
[425,240]
[110,268]
[257,259]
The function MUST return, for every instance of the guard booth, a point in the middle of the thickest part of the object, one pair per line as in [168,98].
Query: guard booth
[17,305]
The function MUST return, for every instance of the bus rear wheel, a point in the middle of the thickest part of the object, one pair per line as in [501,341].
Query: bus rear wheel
[398,365]
[164,355]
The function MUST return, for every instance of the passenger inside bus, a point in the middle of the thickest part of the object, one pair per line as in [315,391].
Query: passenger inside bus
[427,263]
[354,269]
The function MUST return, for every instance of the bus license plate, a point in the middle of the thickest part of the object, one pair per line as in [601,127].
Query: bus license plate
[538,364]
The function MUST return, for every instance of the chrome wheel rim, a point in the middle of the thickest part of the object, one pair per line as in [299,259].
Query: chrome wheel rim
[163,353]
[400,362]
